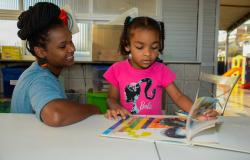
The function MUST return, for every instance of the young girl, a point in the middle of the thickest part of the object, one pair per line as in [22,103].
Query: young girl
[45,28]
[137,83]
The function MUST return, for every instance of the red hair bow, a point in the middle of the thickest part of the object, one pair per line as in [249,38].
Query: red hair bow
[64,16]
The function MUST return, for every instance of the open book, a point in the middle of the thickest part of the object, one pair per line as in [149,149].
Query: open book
[181,129]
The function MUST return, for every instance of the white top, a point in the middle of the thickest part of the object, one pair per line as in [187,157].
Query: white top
[24,137]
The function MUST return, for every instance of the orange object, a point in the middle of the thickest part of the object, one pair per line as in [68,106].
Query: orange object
[233,71]
[45,65]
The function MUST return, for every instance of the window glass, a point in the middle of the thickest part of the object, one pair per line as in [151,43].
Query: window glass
[82,39]
[9,4]
[78,6]
[8,32]
[9,36]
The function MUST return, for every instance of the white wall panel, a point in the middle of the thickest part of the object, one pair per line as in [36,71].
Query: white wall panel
[180,18]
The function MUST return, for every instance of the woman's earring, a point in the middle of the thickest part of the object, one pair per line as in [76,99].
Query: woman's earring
[45,65]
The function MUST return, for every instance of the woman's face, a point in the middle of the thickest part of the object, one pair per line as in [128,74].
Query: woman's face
[60,48]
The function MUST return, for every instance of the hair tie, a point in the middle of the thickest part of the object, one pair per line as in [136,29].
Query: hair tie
[159,24]
[64,17]
[130,20]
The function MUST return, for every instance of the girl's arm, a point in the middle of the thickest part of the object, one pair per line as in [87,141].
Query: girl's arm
[61,112]
[179,98]
[114,106]
[113,97]
[186,103]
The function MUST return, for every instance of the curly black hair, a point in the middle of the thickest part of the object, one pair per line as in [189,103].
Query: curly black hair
[140,22]
[34,24]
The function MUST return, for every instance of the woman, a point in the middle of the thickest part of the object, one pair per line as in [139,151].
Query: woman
[45,28]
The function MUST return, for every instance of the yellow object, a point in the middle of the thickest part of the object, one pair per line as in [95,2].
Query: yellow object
[144,134]
[11,53]
[141,123]
[238,68]
[135,136]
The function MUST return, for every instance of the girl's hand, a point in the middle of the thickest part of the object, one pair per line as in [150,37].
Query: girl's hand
[117,111]
[208,115]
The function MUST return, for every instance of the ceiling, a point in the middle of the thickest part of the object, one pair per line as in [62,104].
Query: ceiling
[233,13]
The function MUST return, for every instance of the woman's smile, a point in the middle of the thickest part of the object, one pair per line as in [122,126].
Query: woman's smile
[70,58]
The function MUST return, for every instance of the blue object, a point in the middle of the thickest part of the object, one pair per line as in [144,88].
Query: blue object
[8,75]
[101,67]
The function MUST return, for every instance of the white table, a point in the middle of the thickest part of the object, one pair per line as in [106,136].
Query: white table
[23,137]
[233,134]
[181,152]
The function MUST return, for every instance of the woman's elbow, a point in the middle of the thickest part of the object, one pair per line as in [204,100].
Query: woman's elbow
[52,117]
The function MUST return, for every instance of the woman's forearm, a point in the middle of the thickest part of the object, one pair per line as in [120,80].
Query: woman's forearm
[63,112]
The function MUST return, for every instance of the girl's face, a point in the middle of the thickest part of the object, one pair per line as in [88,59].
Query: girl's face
[144,47]
[60,49]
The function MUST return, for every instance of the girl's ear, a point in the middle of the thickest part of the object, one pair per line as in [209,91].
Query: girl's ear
[40,52]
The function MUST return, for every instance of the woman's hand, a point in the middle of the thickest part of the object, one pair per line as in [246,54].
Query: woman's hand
[117,111]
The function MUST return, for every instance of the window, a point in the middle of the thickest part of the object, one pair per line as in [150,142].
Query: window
[82,40]
[87,12]
[8,31]
[9,4]
[78,6]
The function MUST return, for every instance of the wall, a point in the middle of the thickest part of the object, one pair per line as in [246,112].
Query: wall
[209,38]
[191,31]
[186,80]
[191,36]
[180,18]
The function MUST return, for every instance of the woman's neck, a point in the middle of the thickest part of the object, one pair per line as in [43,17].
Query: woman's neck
[55,70]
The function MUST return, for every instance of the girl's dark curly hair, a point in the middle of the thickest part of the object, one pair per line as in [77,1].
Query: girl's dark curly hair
[34,24]
[140,22]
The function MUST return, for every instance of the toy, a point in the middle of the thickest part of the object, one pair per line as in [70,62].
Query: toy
[240,66]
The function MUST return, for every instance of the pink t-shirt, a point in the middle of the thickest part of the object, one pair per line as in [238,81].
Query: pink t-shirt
[140,89]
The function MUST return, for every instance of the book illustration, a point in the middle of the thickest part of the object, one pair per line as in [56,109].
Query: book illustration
[175,132]
[148,127]
[200,106]
[168,128]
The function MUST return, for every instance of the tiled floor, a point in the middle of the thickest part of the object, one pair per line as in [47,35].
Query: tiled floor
[239,103]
